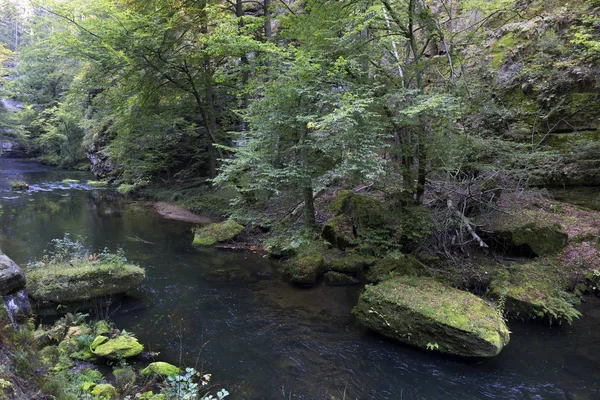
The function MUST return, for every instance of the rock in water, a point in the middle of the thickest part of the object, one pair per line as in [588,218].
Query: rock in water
[217,233]
[11,276]
[427,314]
[81,280]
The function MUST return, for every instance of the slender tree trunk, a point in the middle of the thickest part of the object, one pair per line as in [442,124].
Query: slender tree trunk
[268,33]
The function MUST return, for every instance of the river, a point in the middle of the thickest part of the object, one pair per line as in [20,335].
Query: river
[233,315]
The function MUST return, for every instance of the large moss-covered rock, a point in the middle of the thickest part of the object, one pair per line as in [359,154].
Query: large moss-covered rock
[81,280]
[353,264]
[11,276]
[427,314]
[104,391]
[160,368]
[339,232]
[216,233]
[339,279]
[535,237]
[305,269]
[119,347]
[365,212]
[533,291]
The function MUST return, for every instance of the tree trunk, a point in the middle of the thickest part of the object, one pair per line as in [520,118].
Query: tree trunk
[309,208]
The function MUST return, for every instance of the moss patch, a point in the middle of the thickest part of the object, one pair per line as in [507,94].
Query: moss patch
[19,185]
[534,290]
[80,280]
[216,233]
[160,368]
[305,269]
[119,347]
[339,279]
[387,268]
[425,313]
[339,232]
[97,183]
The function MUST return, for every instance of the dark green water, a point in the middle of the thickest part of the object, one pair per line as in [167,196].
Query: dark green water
[260,337]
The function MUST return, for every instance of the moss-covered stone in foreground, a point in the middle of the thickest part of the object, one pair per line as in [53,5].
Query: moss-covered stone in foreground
[160,368]
[533,291]
[215,233]
[81,280]
[427,314]
[119,347]
[305,269]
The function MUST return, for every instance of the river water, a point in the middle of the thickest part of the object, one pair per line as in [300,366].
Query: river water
[232,314]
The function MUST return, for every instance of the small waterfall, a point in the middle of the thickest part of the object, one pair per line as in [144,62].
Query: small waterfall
[18,307]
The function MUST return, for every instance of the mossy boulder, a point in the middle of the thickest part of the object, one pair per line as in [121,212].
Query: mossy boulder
[387,268]
[81,280]
[535,238]
[19,185]
[70,181]
[425,313]
[116,348]
[353,264]
[533,291]
[339,231]
[365,212]
[212,234]
[305,269]
[97,183]
[339,279]
[160,368]
[104,391]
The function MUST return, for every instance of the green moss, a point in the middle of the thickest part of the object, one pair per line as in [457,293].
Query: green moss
[216,233]
[501,48]
[105,391]
[70,181]
[534,291]
[338,279]
[422,312]
[97,183]
[124,377]
[365,211]
[350,263]
[119,347]
[19,185]
[101,327]
[389,267]
[339,232]
[305,269]
[80,280]
[160,368]
[126,189]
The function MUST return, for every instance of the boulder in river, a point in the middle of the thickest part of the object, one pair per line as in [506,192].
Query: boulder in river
[534,291]
[160,368]
[11,276]
[425,313]
[305,269]
[216,233]
[81,280]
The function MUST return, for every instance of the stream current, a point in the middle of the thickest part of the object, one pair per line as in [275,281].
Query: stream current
[232,314]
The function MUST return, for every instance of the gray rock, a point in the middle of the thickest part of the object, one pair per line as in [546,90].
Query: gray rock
[11,276]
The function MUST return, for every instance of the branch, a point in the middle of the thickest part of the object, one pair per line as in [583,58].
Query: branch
[467,224]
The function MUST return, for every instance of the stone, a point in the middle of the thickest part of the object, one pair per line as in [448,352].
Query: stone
[533,291]
[160,368]
[212,234]
[81,280]
[119,347]
[339,232]
[425,313]
[339,279]
[387,268]
[105,391]
[12,277]
[305,269]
